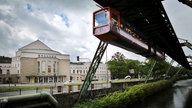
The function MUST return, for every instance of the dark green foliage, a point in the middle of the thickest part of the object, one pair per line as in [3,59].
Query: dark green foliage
[119,66]
[5,59]
[127,97]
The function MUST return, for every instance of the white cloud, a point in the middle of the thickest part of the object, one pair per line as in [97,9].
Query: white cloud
[65,26]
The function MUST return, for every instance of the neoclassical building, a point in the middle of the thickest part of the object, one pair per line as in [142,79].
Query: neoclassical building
[37,63]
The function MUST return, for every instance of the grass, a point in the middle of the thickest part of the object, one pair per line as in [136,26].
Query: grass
[17,88]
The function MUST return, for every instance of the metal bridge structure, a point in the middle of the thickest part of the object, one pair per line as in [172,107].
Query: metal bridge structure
[149,18]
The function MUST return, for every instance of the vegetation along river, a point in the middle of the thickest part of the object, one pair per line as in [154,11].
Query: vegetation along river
[179,96]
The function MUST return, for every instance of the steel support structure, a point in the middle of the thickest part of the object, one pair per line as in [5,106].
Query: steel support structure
[178,71]
[187,44]
[170,64]
[92,69]
[150,70]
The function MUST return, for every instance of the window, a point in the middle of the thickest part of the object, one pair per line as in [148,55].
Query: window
[43,68]
[101,18]
[38,64]
[49,66]
[54,66]
[8,72]
[0,71]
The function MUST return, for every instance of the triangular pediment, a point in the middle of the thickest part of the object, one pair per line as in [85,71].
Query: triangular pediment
[36,45]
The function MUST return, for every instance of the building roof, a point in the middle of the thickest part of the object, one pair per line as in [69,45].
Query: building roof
[36,45]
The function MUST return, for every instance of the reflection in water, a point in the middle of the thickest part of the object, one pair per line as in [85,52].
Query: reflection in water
[179,96]
[182,94]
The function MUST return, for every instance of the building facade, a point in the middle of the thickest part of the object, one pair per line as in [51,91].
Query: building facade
[6,75]
[37,63]
[78,72]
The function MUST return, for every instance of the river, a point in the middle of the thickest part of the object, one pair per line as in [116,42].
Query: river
[179,96]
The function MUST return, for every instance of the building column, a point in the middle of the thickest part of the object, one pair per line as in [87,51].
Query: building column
[37,79]
[48,79]
[52,68]
[46,67]
[42,79]
[40,68]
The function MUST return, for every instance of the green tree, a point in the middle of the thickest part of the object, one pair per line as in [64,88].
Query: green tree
[135,65]
[158,71]
[120,66]
[118,57]
[117,66]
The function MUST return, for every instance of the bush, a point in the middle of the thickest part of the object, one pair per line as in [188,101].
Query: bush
[129,96]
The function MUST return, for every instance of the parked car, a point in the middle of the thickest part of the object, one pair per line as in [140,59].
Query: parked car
[127,77]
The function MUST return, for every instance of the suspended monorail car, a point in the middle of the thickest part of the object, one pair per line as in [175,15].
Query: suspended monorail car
[109,26]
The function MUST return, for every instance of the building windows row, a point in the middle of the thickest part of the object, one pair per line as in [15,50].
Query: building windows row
[79,71]
[7,71]
[14,65]
[96,78]
[47,67]
[46,56]
[84,72]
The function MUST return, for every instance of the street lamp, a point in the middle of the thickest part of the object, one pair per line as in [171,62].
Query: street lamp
[55,79]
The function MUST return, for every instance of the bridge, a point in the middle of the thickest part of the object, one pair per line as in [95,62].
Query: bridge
[149,25]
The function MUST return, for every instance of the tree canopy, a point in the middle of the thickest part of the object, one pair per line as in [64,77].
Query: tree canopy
[5,59]
[121,67]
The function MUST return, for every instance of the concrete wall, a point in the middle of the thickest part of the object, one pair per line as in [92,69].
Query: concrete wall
[64,68]
[28,68]
[67,100]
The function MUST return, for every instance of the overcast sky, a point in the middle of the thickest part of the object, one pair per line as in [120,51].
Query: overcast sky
[66,26]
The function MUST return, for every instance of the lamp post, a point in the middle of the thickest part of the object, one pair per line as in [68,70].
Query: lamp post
[55,79]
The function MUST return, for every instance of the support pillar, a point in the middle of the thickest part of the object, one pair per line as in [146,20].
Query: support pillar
[150,70]
[168,68]
[92,69]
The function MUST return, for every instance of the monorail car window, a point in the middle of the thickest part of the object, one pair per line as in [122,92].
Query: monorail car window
[101,18]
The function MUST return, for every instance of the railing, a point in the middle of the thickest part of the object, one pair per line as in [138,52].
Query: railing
[39,100]
[69,88]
